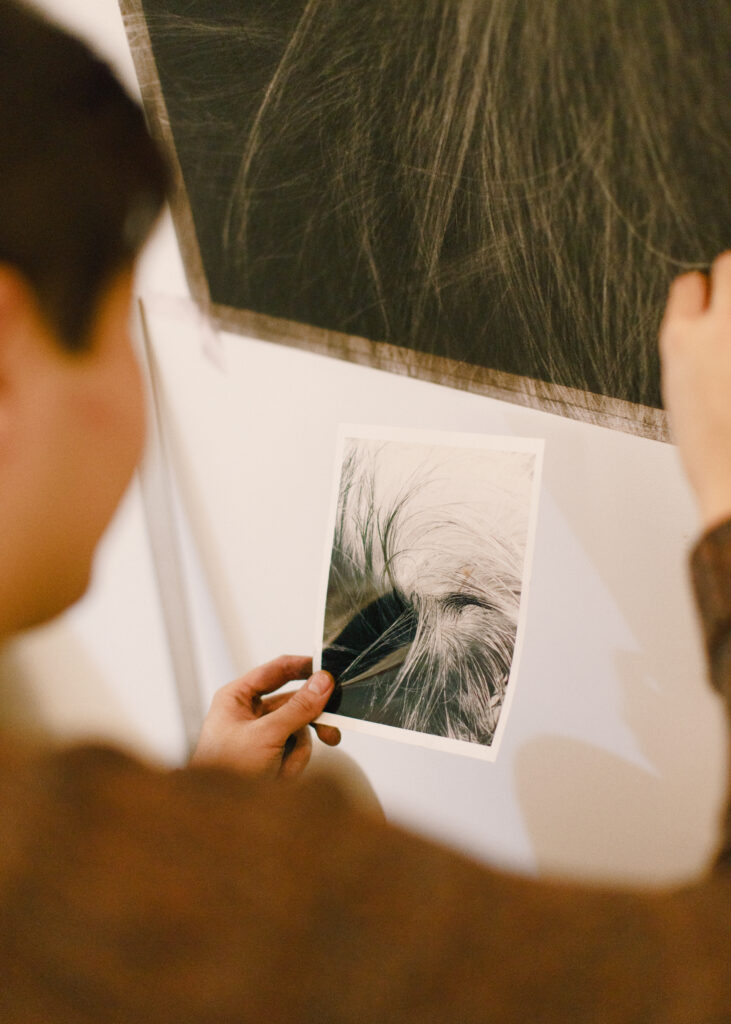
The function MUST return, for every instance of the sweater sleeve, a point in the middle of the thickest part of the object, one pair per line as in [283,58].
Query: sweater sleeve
[711,574]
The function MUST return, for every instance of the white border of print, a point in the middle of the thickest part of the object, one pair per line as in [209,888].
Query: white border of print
[453,440]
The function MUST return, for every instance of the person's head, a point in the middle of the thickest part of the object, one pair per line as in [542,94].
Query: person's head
[81,184]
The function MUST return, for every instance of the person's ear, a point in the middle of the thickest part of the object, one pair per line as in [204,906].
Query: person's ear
[6,317]
[8,303]
[18,311]
[16,315]
[14,305]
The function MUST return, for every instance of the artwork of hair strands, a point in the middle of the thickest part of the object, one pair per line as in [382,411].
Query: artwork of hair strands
[489,194]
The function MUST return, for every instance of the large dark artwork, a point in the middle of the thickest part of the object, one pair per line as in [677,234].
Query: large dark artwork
[493,194]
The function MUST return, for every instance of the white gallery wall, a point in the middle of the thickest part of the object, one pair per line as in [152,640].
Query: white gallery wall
[613,759]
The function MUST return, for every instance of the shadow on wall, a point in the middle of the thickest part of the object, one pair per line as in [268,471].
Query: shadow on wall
[595,808]
[628,510]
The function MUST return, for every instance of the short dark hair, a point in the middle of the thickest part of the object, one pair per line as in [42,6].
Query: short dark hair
[81,182]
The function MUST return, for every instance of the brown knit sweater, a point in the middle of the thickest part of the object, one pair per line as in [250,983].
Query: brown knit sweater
[137,895]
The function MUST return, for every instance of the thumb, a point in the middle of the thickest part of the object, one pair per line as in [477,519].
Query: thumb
[303,707]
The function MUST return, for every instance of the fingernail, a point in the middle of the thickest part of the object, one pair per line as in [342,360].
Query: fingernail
[320,683]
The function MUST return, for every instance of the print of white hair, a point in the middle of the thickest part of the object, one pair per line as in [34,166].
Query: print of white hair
[424,588]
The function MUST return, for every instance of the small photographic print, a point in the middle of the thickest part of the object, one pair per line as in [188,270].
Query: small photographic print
[425,584]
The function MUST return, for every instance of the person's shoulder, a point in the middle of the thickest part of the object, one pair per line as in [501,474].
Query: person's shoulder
[103,793]
[114,871]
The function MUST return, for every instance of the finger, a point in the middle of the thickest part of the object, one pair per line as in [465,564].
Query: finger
[327,734]
[272,703]
[687,296]
[298,757]
[267,678]
[721,283]
[303,707]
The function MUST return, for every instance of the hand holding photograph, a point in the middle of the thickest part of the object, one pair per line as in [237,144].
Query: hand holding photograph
[425,584]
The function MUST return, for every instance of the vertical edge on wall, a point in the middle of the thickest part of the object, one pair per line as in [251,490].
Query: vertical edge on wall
[162,527]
